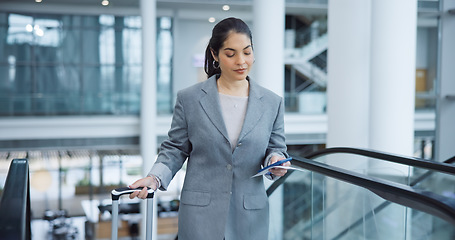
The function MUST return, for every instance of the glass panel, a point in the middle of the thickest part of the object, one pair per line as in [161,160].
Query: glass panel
[369,166]
[107,45]
[107,20]
[69,21]
[351,212]
[403,174]
[6,80]
[20,79]
[3,45]
[90,21]
[435,182]
[133,21]
[20,30]
[91,46]
[73,65]
[305,71]
[19,44]
[47,32]
[132,46]
[131,97]
[47,79]
[70,49]
[164,67]
[426,62]
[91,89]
[15,89]
[45,54]
[311,206]
[3,19]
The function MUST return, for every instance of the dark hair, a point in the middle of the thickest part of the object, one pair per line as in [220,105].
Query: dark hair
[219,34]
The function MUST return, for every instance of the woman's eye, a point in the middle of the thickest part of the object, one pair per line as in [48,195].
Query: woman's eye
[247,53]
[229,55]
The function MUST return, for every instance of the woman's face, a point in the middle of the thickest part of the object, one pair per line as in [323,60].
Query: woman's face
[236,57]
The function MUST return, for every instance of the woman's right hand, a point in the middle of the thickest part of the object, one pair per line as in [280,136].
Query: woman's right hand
[143,182]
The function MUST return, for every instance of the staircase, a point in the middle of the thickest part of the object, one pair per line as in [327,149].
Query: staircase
[310,60]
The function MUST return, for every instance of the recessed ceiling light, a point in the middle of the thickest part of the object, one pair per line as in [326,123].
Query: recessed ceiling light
[212,19]
[38,1]
[29,28]
[226,7]
[39,32]
[105,2]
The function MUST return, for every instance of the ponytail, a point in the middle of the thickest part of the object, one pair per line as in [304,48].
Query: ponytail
[209,64]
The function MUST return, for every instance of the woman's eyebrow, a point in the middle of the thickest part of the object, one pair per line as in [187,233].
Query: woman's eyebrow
[231,49]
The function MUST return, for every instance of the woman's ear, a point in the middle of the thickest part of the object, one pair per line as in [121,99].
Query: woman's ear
[214,55]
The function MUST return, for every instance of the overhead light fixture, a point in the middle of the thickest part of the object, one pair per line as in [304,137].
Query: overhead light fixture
[105,2]
[212,19]
[35,29]
[29,28]
[39,32]
[226,7]
[38,1]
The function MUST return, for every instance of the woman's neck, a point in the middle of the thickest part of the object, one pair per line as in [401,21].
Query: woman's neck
[235,88]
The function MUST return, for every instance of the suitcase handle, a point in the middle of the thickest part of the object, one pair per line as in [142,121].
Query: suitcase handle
[116,193]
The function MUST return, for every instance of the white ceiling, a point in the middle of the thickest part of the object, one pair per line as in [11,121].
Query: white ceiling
[132,6]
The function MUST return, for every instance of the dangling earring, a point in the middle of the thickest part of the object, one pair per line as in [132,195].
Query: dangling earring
[216,65]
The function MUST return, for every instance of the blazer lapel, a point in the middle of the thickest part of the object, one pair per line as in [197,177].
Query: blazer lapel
[211,105]
[254,110]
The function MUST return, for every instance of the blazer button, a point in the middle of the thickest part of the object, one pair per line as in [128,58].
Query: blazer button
[240,144]
[229,167]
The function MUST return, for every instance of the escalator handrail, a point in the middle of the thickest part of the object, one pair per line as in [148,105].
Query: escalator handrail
[15,202]
[372,154]
[385,204]
[368,153]
[404,195]
[444,167]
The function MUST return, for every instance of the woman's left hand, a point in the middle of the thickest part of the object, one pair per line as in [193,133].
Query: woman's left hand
[279,171]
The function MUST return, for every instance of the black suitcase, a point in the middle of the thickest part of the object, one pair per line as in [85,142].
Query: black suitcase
[116,193]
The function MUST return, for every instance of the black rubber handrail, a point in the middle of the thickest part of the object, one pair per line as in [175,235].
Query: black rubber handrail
[440,206]
[444,167]
[15,204]
[375,154]
[385,204]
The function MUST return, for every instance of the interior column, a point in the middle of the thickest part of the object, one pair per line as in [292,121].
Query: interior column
[268,41]
[148,136]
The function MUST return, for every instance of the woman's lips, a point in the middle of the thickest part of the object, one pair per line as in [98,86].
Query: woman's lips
[241,70]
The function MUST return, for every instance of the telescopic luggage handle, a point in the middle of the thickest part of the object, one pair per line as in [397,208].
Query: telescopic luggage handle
[115,194]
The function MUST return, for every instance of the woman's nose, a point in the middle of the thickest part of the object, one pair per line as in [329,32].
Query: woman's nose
[240,59]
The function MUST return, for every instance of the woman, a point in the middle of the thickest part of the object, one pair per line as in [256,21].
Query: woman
[226,127]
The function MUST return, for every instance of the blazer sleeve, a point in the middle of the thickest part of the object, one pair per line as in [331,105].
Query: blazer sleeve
[277,141]
[175,150]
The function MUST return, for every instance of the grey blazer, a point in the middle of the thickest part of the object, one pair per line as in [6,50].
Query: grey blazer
[219,198]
